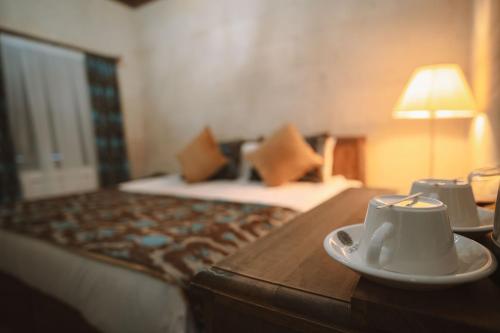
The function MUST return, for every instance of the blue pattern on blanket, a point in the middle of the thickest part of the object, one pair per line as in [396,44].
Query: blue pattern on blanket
[152,240]
[144,224]
[169,237]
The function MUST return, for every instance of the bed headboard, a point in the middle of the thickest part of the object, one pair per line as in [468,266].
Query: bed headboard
[349,157]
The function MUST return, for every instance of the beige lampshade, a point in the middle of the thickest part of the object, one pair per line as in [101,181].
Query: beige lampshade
[438,91]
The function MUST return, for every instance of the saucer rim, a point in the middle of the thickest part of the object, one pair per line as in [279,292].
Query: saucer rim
[477,229]
[446,279]
[495,242]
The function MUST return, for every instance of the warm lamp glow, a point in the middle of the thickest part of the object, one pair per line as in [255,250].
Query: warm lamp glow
[438,91]
[479,126]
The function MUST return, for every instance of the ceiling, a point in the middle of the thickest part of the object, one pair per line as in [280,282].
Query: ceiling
[134,3]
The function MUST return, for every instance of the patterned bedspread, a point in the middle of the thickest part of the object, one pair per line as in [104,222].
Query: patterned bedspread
[171,238]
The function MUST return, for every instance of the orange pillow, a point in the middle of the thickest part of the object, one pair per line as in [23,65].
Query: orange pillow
[201,158]
[284,157]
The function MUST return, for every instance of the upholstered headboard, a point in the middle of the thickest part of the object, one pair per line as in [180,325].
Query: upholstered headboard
[349,157]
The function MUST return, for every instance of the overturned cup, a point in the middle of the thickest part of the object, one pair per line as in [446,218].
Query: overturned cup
[410,235]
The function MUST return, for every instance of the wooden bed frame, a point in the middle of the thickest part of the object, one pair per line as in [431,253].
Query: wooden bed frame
[349,157]
[24,309]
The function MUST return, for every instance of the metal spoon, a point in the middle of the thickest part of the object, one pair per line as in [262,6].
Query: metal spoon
[401,200]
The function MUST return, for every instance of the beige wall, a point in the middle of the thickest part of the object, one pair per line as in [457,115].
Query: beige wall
[245,67]
[101,25]
[485,130]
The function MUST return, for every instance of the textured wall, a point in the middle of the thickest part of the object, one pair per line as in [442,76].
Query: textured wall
[101,25]
[485,130]
[245,67]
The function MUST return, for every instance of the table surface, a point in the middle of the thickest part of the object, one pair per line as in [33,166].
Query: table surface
[294,256]
[290,271]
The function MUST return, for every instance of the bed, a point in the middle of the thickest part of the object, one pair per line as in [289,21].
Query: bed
[147,295]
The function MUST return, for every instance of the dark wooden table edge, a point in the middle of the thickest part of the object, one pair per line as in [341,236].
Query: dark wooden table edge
[331,313]
[280,285]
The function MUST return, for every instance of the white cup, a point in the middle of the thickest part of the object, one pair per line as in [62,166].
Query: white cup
[456,195]
[411,237]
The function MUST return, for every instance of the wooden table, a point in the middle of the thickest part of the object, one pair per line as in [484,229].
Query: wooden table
[285,282]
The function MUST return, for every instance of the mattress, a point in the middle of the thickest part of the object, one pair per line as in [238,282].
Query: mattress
[114,299]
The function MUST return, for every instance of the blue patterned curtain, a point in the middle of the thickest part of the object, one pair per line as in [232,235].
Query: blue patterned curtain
[10,189]
[113,165]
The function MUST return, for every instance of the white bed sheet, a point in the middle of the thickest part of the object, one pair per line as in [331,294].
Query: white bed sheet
[115,299]
[300,196]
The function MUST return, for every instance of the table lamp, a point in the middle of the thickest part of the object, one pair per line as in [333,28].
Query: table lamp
[436,92]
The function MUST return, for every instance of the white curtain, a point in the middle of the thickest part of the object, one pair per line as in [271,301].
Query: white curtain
[49,110]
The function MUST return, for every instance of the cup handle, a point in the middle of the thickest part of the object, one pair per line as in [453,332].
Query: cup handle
[376,242]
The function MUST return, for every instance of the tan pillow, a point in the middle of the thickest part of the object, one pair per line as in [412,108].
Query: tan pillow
[201,158]
[283,157]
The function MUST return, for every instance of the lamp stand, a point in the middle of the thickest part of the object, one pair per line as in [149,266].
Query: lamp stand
[432,147]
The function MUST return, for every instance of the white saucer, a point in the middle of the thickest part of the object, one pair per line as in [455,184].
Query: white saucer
[496,246]
[486,217]
[475,262]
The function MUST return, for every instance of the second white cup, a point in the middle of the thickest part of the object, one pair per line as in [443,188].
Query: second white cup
[456,195]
